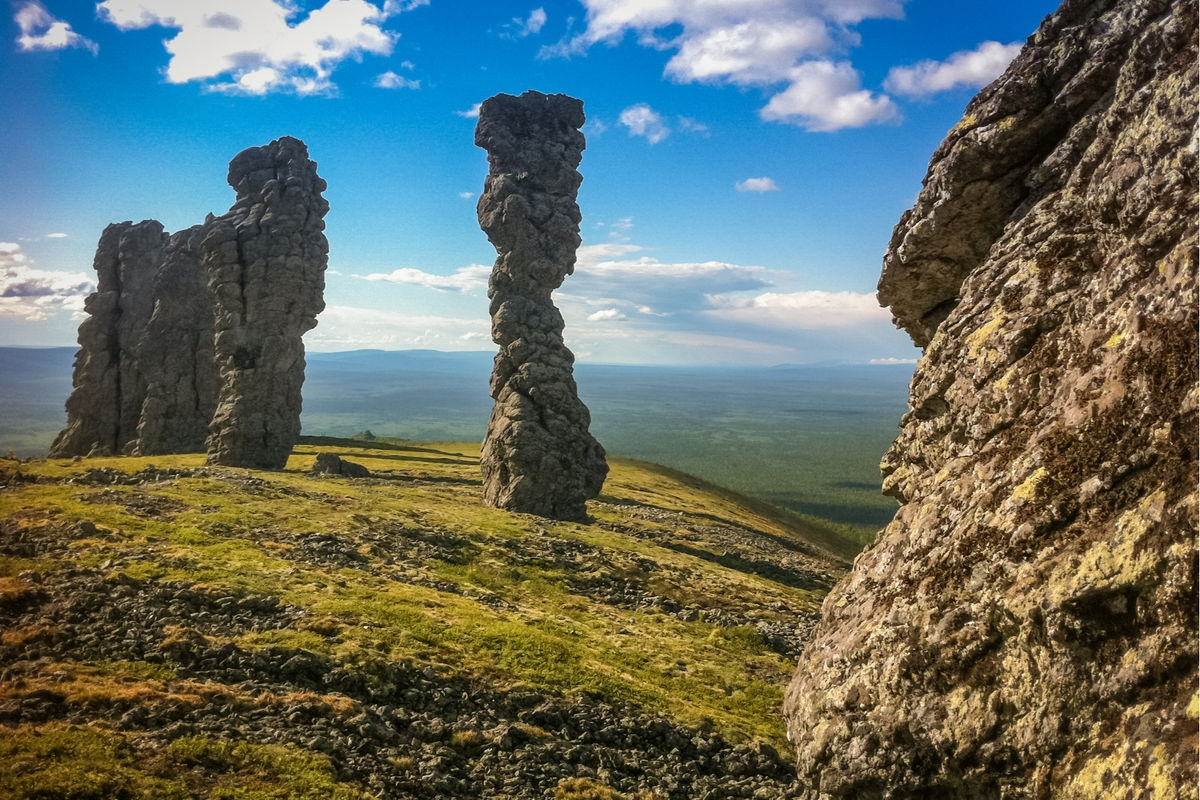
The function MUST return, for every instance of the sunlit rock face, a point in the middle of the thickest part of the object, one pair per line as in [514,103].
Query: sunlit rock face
[538,456]
[105,405]
[1026,626]
[265,261]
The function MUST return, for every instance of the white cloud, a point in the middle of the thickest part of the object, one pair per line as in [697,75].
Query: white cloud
[606,315]
[466,195]
[827,96]
[757,185]
[767,43]
[967,68]
[56,235]
[464,279]
[390,80]
[32,294]
[342,327]
[41,31]
[801,310]
[470,113]
[891,360]
[642,120]
[520,28]
[256,44]
[690,125]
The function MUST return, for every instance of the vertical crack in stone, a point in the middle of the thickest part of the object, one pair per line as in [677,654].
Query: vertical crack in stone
[538,456]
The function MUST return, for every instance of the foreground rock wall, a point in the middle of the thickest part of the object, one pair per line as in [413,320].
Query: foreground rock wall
[1026,626]
[538,456]
[266,261]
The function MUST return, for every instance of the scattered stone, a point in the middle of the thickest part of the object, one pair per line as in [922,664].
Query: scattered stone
[266,262]
[1026,627]
[538,456]
[333,464]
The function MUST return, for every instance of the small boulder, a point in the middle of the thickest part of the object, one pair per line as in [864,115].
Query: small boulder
[333,464]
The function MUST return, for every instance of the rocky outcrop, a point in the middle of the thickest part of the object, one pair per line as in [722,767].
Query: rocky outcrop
[176,353]
[266,262]
[105,406]
[193,340]
[1026,627]
[538,456]
[333,464]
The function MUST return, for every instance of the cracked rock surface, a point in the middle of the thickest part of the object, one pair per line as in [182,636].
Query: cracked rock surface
[538,456]
[1026,625]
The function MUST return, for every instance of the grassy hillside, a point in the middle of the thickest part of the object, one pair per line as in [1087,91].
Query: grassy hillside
[175,630]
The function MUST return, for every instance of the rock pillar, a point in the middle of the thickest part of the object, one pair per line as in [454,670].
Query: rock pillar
[104,408]
[538,456]
[266,262]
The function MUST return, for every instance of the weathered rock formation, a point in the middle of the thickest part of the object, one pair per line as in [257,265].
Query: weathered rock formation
[104,409]
[333,464]
[1026,627]
[176,353]
[193,340]
[538,456]
[266,262]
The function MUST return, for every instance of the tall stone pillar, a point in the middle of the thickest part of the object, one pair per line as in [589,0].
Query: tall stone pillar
[266,262]
[105,404]
[538,456]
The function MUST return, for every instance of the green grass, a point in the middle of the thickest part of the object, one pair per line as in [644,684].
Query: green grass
[518,616]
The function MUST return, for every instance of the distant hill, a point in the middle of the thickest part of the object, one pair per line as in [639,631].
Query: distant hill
[172,630]
[808,438]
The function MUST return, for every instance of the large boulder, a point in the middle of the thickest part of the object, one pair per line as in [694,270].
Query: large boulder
[1026,627]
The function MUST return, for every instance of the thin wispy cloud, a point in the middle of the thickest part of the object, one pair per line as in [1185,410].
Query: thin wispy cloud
[965,69]
[520,27]
[391,80]
[40,30]
[757,185]
[343,327]
[257,47]
[770,44]
[464,279]
[470,113]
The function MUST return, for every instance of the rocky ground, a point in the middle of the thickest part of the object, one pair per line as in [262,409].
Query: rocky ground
[181,631]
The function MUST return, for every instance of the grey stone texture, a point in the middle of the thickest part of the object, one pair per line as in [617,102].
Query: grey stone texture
[266,261]
[1026,626]
[538,456]
[193,340]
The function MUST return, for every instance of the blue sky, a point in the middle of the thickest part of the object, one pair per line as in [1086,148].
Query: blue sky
[746,159]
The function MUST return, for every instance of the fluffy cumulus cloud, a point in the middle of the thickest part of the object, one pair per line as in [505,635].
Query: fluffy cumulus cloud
[260,46]
[965,69]
[464,279]
[780,45]
[826,96]
[31,294]
[642,120]
[41,31]
[757,185]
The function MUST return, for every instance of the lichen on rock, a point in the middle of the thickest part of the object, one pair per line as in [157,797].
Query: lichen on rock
[1026,627]
[538,456]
